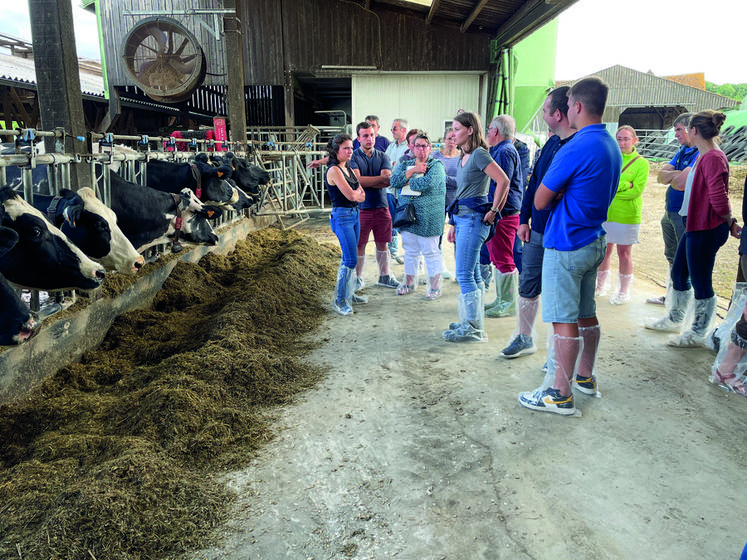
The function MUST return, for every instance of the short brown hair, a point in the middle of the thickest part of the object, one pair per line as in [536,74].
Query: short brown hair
[592,93]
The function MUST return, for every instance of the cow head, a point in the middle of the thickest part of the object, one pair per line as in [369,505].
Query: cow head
[213,179]
[17,323]
[195,216]
[88,230]
[122,256]
[44,258]
[247,176]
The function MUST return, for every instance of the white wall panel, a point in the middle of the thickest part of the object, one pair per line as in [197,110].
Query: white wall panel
[425,100]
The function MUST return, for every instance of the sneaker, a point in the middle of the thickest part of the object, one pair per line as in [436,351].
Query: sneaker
[359,284]
[342,308]
[454,326]
[619,298]
[464,333]
[360,299]
[661,300]
[388,281]
[445,274]
[521,345]
[587,385]
[545,367]
[548,400]
[397,258]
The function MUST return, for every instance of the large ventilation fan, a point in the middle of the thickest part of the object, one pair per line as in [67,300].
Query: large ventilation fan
[164,59]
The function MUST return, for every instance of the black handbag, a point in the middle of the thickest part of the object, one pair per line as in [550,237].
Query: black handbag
[404,216]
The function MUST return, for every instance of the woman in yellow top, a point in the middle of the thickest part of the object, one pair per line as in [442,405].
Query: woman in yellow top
[624,217]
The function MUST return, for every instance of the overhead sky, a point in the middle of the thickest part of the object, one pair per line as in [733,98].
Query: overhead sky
[666,37]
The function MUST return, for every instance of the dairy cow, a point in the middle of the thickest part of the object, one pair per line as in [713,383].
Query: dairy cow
[148,217]
[247,176]
[90,225]
[206,181]
[44,258]
[17,323]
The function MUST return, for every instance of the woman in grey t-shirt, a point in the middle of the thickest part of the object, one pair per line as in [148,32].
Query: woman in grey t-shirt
[472,218]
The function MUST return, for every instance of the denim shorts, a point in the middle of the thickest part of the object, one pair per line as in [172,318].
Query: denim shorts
[568,282]
[530,280]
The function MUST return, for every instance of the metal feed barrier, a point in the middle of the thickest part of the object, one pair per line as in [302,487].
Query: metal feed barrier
[292,188]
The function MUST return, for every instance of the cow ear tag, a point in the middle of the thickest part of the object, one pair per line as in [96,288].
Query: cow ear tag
[220,174]
[66,215]
[210,213]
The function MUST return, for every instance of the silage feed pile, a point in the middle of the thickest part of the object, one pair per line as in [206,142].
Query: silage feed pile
[120,456]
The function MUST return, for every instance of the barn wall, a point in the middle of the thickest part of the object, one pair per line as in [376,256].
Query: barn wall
[117,23]
[304,35]
[425,100]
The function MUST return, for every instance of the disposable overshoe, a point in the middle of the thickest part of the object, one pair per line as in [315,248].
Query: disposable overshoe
[464,333]
[665,324]
[342,308]
[688,339]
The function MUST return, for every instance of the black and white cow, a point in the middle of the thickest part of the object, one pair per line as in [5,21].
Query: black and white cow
[148,216]
[206,181]
[17,322]
[44,258]
[92,226]
[247,176]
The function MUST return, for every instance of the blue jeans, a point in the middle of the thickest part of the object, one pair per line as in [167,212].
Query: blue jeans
[672,230]
[695,258]
[346,225]
[471,233]
[530,280]
[393,245]
[569,279]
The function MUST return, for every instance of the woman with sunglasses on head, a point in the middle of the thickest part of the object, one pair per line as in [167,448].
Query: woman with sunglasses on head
[426,179]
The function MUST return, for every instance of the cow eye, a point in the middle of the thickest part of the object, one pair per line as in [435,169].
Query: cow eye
[36,232]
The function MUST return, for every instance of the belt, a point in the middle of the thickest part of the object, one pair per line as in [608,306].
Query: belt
[509,213]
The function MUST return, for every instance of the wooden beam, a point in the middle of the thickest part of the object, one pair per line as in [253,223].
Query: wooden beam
[432,11]
[367,5]
[475,12]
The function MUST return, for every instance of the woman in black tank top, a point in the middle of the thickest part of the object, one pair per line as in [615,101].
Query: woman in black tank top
[345,194]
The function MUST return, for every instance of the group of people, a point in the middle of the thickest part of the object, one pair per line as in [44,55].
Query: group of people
[582,198]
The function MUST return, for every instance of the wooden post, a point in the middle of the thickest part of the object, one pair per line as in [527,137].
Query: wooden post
[235,68]
[290,107]
[58,80]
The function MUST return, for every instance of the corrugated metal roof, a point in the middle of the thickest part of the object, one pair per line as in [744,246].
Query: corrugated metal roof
[507,21]
[631,88]
[18,70]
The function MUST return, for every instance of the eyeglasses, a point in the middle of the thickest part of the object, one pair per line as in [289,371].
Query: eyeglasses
[422,146]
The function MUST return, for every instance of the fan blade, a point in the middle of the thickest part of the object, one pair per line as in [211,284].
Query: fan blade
[185,42]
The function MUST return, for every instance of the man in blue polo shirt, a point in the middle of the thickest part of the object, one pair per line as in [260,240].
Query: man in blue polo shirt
[675,175]
[580,185]
[373,169]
